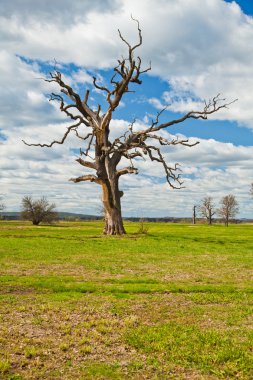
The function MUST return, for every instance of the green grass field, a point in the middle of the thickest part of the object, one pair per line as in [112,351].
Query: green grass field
[173,304]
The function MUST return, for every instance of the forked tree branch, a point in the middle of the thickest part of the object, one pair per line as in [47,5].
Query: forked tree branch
[211,107]
[170,172]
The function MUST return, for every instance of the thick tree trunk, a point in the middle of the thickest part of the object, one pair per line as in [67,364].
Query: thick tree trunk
[109,180]
[112,207]
[114,223]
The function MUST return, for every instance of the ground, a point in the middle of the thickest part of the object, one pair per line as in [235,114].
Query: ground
[175,303]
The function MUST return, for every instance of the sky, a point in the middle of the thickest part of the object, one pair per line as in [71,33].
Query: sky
[197,49]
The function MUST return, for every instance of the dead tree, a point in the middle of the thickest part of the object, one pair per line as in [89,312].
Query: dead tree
[228,208]
[104,155]
[207,209]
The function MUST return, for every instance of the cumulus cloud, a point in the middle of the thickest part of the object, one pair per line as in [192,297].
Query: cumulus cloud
[201,47]
[41,171]
[64,14]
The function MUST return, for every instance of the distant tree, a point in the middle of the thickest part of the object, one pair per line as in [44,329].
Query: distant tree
[228,208]
[38,211]
[207,209]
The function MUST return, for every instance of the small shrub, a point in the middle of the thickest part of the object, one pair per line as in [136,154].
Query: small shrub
[143,228]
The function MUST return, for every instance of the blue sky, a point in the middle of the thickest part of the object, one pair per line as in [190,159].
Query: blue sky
[246,6]
[198,49]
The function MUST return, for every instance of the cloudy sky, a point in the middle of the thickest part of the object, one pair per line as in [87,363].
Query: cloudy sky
[198,48]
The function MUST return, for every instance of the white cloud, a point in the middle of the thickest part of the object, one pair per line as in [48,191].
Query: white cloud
[210,167]
[201,47]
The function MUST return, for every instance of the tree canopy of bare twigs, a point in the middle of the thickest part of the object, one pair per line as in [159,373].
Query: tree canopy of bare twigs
[207,209]
[229,207]
[104,155]
[38,211]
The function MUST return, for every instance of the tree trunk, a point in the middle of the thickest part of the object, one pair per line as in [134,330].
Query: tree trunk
[113,223]
[112,206]
[109,180]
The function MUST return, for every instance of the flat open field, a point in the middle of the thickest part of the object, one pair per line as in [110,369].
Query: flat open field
[173,304]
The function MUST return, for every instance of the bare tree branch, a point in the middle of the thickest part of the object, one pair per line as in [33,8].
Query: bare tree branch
[88,177]
[69,129]
[210,108]
[87,164]
[102,88]
[169,171]
[173,141]
[128,170]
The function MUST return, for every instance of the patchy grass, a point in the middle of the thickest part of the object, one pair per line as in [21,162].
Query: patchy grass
[175,303]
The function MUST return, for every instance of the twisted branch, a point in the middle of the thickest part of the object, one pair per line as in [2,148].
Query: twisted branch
[69,129]
[211,107]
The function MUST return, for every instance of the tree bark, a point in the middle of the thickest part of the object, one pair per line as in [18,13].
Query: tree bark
[109,181]
[111,200]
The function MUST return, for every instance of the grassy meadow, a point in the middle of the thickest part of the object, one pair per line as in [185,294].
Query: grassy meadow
[173,304]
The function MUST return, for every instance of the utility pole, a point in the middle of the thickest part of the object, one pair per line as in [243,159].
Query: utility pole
[194,215]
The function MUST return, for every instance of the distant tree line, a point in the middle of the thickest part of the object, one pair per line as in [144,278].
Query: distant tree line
[41,211]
